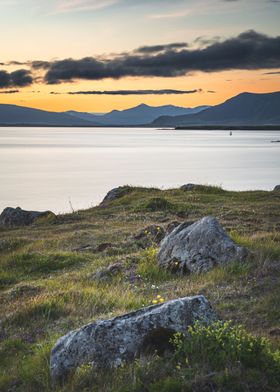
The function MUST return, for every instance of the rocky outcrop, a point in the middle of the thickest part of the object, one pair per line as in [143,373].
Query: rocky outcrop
[18,217]
[188,187]
[109,343]
[198,247]
[116,193]
[277,188]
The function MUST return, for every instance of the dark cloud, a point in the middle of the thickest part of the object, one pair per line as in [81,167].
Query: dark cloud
[17,63]
[37,64]
[272,73]
[211,91]
[9,92]
[203,41]
[134,92]
[249,51]
[19,78]
[161,48]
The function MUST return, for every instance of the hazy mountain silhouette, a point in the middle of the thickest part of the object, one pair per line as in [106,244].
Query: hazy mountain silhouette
[247,109]
[141,114]
[20,115]
[243,109]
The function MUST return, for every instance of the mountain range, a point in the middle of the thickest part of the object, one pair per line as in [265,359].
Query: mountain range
[20,115]
[141,114]
[243,109]
[247,109]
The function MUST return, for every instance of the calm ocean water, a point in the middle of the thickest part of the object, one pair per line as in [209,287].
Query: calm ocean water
[45,168]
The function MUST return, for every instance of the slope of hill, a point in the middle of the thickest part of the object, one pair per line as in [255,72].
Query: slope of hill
[141,114]
[243,109]
[51,282]
[19,115]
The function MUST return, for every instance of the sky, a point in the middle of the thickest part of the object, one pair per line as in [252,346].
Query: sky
[100,55]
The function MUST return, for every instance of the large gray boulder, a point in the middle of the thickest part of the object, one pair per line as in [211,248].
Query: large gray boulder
[198,247]
[18,217]
[109,343]
[277,188]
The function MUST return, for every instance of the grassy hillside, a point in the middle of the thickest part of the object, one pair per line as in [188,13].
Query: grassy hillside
[48,286]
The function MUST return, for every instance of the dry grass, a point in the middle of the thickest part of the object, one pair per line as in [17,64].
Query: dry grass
[47,285]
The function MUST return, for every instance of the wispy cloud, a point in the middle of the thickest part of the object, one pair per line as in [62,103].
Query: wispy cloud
[272,73]
[135,92]
[170,15]
[64,6]
[9,92]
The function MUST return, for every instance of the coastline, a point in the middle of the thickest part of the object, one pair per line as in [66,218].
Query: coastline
[190,127]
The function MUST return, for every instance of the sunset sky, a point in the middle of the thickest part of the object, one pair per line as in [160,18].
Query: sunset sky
[114,52]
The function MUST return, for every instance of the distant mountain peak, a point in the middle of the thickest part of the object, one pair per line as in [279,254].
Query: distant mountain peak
[243,109]
[138,115]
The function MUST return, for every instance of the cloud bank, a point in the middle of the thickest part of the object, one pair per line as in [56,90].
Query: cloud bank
[19,78]
[135,92]
[250,50]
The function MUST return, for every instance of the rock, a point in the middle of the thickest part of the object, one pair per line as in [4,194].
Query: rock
[84,248]
[172,225]
[198,247]
[277,188]
[150,235]
[274,332]
[103,246]
[188,187]
[104,274]
[18,217]
[109,343]
[116,193]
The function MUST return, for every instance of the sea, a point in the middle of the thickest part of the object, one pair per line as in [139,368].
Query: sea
[61,169]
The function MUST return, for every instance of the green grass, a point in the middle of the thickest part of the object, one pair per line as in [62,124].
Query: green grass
[48,288]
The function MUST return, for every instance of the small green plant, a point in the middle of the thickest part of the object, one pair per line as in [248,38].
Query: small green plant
[149,269]
[158,204]
[223,345]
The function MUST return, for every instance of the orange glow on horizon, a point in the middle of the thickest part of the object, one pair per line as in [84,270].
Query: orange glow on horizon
[225,84]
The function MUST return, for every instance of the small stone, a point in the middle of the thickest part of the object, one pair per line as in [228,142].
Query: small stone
[274,332]
[105,274]
[188,187]
[104,246]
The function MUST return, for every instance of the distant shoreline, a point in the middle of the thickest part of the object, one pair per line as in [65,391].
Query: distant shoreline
[188,127]
[231,127]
